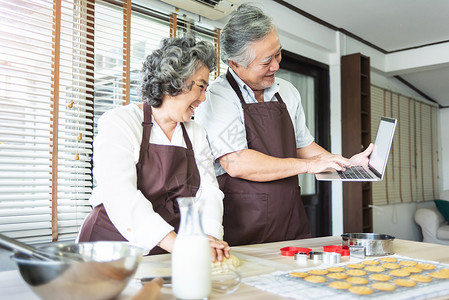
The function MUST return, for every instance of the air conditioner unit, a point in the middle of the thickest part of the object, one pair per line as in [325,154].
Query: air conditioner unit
[211,9]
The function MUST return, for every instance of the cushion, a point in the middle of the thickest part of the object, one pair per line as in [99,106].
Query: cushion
[443,208]
[443,232]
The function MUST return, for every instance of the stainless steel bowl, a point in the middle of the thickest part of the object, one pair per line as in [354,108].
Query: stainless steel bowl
[375,244]
[104,273]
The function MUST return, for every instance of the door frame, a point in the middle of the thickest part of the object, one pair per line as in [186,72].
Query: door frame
[318,206]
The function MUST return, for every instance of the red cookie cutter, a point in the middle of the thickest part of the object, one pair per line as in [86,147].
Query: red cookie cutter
[343,250]
[290,251]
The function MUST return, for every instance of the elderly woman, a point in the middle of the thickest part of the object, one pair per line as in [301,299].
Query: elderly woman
[147,155]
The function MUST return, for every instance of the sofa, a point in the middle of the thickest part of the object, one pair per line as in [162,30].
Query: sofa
[434,226]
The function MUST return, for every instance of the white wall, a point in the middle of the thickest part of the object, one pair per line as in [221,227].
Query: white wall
[307,38]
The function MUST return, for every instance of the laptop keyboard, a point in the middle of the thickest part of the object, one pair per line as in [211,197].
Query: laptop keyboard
[354,173]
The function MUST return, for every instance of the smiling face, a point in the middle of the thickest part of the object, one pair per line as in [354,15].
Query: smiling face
[180,108]
[259,74]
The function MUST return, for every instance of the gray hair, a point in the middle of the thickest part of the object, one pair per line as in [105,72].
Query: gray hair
[248,24]
[166,70]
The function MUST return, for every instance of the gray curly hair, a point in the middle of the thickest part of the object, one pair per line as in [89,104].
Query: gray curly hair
[166,70]
[248,24]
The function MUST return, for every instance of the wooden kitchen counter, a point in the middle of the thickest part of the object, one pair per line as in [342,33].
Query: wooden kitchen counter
[270,252]
[256,260]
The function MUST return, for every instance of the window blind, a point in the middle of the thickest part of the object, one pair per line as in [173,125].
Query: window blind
[46,121]
[63,64]
[206,34]
[412,169]
[146,29]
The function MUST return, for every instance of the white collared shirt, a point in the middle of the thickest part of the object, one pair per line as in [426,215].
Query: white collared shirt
[116,153]
[222,115]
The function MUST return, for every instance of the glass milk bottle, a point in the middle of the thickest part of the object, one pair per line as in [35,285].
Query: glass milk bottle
[191,256]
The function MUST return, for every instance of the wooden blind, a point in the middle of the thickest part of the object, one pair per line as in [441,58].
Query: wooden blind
[63,64]
[45,118]
[412,169]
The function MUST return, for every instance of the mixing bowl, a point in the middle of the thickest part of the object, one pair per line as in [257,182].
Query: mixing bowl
[104,271]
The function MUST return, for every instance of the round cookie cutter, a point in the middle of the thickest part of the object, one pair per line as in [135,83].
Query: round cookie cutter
[331,258]
[316,256]
[301,258]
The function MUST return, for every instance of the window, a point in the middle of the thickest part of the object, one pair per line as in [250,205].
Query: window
[63,64]
[45,118]
[412,169]
[147,30]
[306,86]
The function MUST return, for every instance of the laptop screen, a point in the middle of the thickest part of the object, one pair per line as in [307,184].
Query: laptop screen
[379,157]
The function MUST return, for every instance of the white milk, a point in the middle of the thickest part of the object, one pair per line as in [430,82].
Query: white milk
[191,267]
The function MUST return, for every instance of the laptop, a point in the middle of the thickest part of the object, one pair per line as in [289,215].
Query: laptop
[377,160]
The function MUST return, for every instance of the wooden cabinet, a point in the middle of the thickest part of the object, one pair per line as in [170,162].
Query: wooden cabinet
[356,136]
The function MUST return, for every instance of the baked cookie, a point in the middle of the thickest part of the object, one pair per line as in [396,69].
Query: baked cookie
[408,263]
[356,272]
[299,274]
[420,278]
[357,280]
[404,282]
[412,269]
[371,262]
[389,259]
[355,266]
[340,285]
[379,277]
[440,275]
[383,286]
[446,271]
[375,269]
[315,279]
[338,275]
[399,273]
[390,266]
[318,272]
[335,269]
[426,266]
[361,290]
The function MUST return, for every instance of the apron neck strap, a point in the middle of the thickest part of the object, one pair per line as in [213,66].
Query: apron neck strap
[148,124]
[186,136]
[235,86]
[237,90]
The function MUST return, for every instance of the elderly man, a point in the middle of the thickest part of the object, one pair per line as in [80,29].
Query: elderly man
[256,129]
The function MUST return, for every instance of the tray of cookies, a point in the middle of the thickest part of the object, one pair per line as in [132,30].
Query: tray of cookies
[376,278]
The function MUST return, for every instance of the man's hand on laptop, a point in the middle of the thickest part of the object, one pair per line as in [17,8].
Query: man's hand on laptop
[326,162]
[362,158]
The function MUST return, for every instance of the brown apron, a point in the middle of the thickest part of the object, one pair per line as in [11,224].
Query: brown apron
[164,173]
[259,212]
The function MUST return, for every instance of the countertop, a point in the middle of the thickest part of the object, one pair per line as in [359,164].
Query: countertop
[257,259]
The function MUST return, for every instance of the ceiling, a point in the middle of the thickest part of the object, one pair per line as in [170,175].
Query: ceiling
[395,27]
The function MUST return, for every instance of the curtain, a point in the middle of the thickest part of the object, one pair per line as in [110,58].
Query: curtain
[306,87]
[412,169]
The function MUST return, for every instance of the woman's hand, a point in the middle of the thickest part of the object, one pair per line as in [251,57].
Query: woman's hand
[168,241]
[362,158]
[219,249]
